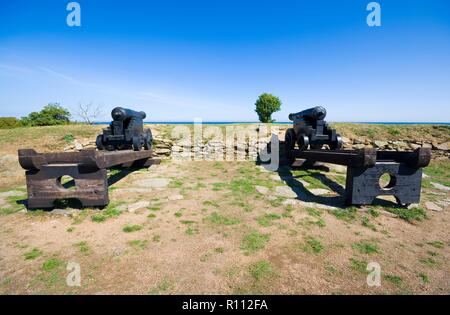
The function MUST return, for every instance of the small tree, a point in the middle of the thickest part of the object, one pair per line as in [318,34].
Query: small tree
[88,113]
[266,105]
[51,114]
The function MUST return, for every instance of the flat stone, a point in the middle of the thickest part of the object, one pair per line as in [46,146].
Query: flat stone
[380,144]
[290,202]
[276,178]
[61,212]
[413,205]
[388,214]
[432,206]
[263,169]
[425,175]
[336,168]
[11,193]
[153,182]
[77,145]
[440,186]
[262,190]
[138,205]
[319,191]
[285,191]
[175,197]
[441,146]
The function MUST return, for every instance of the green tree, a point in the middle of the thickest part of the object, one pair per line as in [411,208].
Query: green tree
[266,105]
[51,114]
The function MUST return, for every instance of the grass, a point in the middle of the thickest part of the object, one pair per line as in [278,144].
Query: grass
[395,280]
[211,203]
[313,244]
[219,219]
[71,229]
[261,270]
[410,215]
[366,222]
[266,220]
[191,231]
[156,238]
[254,241]
[51,264]
[132,228]
[110,212]
[347,214]
[141,244]
[436,244]
[365,247]
[429,261]
[424,278]
[313,212]
[358,265]
[83,247]
[33,254]
[161,287]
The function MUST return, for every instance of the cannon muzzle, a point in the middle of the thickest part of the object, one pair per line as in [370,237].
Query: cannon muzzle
[315,113]
[121,114]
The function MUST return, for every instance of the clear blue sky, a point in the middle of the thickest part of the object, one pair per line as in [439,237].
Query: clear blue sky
[211,59]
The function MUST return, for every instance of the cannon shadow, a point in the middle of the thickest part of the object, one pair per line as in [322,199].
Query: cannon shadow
[285,171]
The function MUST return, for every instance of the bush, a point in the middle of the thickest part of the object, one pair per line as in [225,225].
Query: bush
[9,122]
[51,114]
[266,105]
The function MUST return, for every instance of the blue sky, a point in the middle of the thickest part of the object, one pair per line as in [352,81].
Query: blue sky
[178,60]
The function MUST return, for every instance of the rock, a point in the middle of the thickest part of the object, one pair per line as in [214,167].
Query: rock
[346,140]
[336,168]
[440,146]
[161,151]
[175,197]
[413,205]
[304,183]
[275,178]
[440,186]
[285,191]
[77,145]
[11,193]
[263,169]
[262,190]
[61,212]
[432,206]
[319,191]
[425,175]
[138,205]
[290,202]
[358,146]
[153,182]
[387,214]
[426,145]
[380,144]
[414,146]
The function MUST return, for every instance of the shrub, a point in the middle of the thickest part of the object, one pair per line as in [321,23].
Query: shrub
[9,122]
[266,105]
[51,114]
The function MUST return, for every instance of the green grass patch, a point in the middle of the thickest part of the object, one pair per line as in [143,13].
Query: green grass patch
[266,220]
[261,270]
[219,219]
[313,244]
[33,254]
[83,247]
[365,247]
[436,244]
[358,265]
[191,231]
[347,214]
[110,211]
[141,244]
[410,215]
[254,241]
[132,228]
[211,203]
[366,222]
[51,264]
[395,280]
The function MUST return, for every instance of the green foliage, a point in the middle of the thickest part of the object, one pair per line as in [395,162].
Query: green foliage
[266,105]
[358,265]
[52,114]
[9,122]
[395,280]
[68,138]
[266,220]
[51,264]
[414,214]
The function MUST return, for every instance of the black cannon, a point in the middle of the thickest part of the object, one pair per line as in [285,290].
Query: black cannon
[125,132]
[311,130]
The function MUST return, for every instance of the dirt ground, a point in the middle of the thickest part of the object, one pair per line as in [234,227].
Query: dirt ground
[204,227]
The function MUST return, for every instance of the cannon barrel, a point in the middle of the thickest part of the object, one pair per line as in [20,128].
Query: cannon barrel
[314,113]
[121,114]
